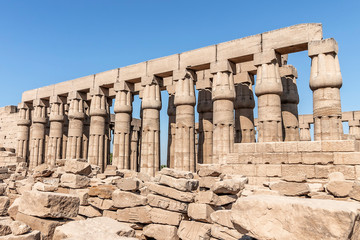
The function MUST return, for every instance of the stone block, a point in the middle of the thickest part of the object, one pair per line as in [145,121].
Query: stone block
[317,158]
[161,232]
[77,167]
[134,214]
[290,188]
[186,185]
[294,169]
[340,146]
[208,182]
[89,211]
[245,147]
[322,171]
[82,194]
[209,197]
[257,180]
[44,225]
[347,158]
[74,181]
[170,192]
[309,146]
[190,230]
[161,216]
[102,191]
[19,228]
[5,226]
[322,46]
[275,158]
[49,205]
[339,188]
[285,147]
[4,205]
[317,217]
[239,169]
[94,228]
[229,186]
[294,158]
[33,235]
[265,147]
[222,217]
[221,232]
[123,199]
[200,212]
[347,170]
[166,203]
[103,204]
[209,170]
[268,170]
[128,184]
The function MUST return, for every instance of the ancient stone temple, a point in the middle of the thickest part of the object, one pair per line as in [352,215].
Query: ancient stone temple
[73,150]
[72,120]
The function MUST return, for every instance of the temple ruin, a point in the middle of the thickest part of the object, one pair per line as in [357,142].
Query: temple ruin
[217,163]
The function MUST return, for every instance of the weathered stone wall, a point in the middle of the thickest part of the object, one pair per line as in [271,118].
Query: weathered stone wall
[8,126]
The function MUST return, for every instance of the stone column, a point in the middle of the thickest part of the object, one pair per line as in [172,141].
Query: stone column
[65,130]
[86,131]
[150,137]
[205,110]
[325,82]
[171,111]
[122,129]
[23,131]
[38,133]
[98,115]
[223,95]
[289,103]
[268,89]
[244,108]
[56,129]
[135,128]
[185,120]
[75,132]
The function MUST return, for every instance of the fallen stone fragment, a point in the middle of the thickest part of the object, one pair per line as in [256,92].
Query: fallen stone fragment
[83,195]
[339,188]
[122,199]
[300,177]
[209,197]
[208,182]
[104,204]
[158,215]
[102,191]
[221,232]
[89,211]
[13,209]
[39,186]
[290,188]
[46,204]
[45,226]
[200,212]
[33,235]
[77,167]
[209,170]
[170,192]
[191,230]
[177,173]
[4,205]
[74,181]
[166,203]
[229,186]
[134,214]
[336,176]
[128,184]
[161,232]
[19,228]
[296,218]
[222,217]
[43,170]
[5,226]
[100,228]
[186,185]
[355,191]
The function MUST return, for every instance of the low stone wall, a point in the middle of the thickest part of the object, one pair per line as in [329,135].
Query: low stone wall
[264,162]
[8,126]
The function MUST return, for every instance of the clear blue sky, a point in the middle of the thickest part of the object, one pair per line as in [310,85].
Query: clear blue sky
[46,42]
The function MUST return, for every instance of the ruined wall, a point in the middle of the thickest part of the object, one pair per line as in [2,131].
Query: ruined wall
[8,126]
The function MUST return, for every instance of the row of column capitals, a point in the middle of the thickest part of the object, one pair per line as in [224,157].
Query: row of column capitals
[184,90]
[57,108]
[322,46]
[223,80]
[24,117]
[39,115]
[98,106]
[76,105]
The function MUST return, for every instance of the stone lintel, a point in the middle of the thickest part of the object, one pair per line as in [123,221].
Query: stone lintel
[23,105]
[322,46]
[76,95]
[97,91]
[57,99]
[39,102]
[288,70]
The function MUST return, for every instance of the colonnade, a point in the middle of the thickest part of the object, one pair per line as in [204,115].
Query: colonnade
[80,123]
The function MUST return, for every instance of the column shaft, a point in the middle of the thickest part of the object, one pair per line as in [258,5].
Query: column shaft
[23,131]
[150,137]
[171,131]
[289,103]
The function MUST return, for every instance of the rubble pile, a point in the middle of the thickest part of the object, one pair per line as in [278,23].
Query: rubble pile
[73,200]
